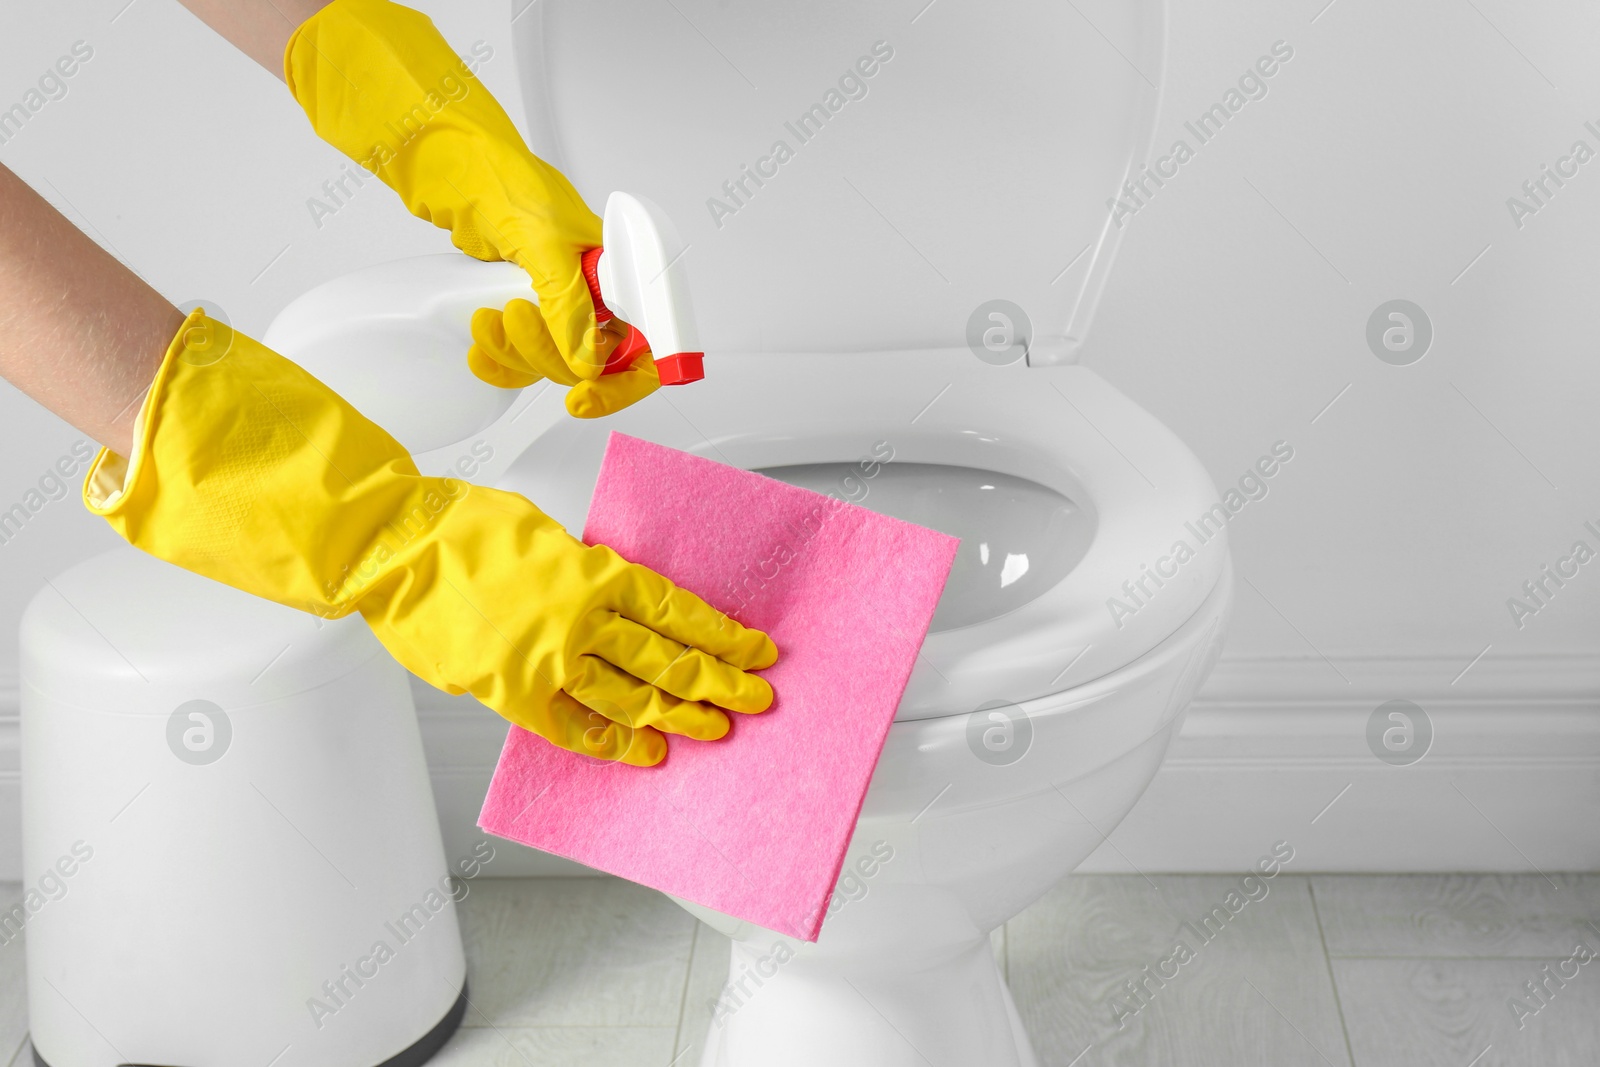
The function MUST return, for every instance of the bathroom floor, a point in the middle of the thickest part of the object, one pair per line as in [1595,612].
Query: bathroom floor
[1346,970]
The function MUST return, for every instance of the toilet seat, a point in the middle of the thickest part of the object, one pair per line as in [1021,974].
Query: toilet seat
[1062,427]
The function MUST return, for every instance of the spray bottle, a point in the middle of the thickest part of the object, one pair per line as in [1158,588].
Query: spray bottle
[638,283]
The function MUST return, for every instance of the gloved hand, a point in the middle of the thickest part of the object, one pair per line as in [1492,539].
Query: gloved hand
[380,84]
[250,471]
[513,349]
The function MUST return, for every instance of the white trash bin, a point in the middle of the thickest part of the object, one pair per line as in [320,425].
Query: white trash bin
[230,850]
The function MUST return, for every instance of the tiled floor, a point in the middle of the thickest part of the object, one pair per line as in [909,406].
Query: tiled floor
[1336,970]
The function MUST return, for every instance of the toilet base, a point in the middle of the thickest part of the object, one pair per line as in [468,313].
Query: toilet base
[953,1012]
[902,973]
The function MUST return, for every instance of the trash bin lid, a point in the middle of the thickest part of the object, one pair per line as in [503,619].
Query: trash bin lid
[125,620]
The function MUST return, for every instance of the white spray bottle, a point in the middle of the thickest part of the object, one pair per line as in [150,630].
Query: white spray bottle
[638,276]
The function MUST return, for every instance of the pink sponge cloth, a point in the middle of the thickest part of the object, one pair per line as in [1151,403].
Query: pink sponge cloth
[754,825]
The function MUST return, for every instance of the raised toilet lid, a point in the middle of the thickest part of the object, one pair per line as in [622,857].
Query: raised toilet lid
[858,174]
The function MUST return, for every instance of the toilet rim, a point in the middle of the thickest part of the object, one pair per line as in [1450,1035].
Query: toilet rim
[1075,699]
[1073,733]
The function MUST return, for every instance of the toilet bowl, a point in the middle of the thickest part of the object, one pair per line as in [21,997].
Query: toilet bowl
[909,282]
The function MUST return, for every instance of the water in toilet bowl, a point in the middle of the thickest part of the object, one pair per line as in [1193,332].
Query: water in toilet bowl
[1018,538]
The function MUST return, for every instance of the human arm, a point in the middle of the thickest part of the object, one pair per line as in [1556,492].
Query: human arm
[79,332]
[258,28]
[250,471]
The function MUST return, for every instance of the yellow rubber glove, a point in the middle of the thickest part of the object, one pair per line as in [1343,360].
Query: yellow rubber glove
[513,349]
[250,471]
[380,84]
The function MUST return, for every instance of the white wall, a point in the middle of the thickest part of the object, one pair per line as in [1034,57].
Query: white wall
[1377,166]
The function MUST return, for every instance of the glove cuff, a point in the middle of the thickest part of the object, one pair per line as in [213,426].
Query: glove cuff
[105,487]
[248,470]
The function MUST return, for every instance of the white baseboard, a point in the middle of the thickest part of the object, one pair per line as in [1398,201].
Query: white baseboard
[1511,783]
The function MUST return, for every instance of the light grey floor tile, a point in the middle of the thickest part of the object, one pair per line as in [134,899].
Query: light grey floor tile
[13,982]
[1447,1012]
[557,1046]
[24,1056]
[1256,991]
[708,971]
[575,952]
[1414,915]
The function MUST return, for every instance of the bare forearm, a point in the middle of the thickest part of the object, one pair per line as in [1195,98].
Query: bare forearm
[79,332]
[258,28]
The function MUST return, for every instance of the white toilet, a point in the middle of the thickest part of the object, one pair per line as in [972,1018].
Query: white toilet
[1032,723]
[912,282]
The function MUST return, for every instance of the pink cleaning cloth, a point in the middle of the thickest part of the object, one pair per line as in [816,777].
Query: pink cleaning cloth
[754,825]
